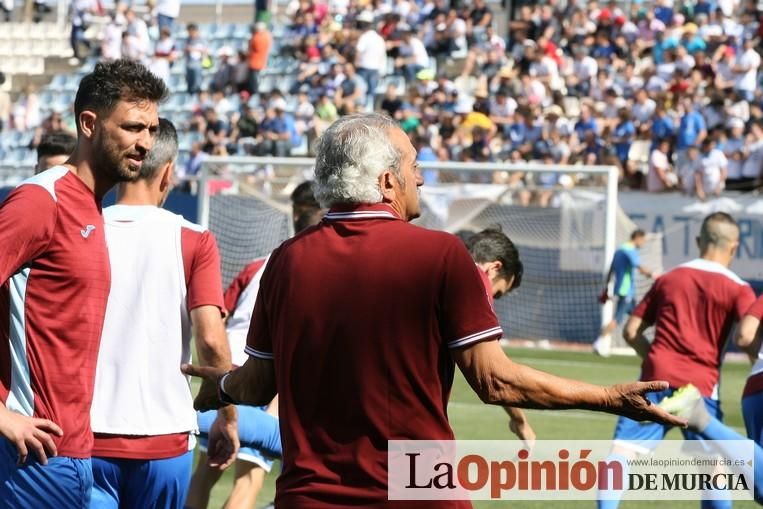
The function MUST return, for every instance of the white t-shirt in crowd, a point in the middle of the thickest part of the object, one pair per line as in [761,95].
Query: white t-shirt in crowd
[372,52]
[748,80]
[731,146]
[709,166]
[753,165]
[657,159]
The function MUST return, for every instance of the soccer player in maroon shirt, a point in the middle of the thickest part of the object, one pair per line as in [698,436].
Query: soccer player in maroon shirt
[692,309]
[55,272]
[360,322]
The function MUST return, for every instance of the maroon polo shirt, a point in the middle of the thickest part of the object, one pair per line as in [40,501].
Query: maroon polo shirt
[359,314]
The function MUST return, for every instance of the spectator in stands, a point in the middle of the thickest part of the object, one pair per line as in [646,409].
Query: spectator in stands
[26,111]
[274,134]
[752,169]
[165,54]
[224,78]
[167,11]
[259,49]
[734,150]
[370,55]
[691,131]
[746,70]
[351,92]
[195,53]
[138,40]
[412,53]
[5,104]
[80,13]
[54,149]
[111,44]
[661,176]
[710,170]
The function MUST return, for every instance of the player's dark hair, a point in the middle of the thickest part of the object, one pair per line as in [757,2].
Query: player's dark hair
[638,234]
[491,245]
[165,149]
[57,143]
[305,208]
[119,80]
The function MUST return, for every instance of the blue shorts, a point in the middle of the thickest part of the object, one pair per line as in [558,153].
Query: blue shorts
[258,431]
[752,411]
[128,483]
[643,436]
[63,482]
[623,308]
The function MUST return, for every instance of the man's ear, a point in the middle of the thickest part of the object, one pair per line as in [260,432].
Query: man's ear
[494,268]
[387,183]
[87,123]
[167,176]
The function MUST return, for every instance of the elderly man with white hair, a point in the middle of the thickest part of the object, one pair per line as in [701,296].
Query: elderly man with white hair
[361,343]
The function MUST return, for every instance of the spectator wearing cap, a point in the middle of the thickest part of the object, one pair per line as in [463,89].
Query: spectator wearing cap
[746,70]
[223,80]
[370,55]
[259,49]
[710,170]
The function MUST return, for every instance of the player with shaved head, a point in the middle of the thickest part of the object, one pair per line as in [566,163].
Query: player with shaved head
[692,309]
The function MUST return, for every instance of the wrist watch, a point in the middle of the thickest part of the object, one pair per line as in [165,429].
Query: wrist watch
[221,394]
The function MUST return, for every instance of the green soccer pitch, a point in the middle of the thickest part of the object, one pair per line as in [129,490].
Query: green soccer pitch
[473,420]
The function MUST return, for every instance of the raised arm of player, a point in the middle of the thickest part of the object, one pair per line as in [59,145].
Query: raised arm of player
[27,221]
[498,380]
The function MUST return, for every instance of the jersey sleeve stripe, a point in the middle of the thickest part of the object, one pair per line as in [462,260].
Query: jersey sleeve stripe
[473,338]
[258,354]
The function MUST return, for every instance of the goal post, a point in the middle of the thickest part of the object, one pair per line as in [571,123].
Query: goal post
[565,221]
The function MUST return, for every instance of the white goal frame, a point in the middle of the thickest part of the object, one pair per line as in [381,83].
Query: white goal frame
[244,164]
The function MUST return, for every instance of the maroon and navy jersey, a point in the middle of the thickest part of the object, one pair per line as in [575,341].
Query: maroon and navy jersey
[693,308]
[360,314]
[54,266]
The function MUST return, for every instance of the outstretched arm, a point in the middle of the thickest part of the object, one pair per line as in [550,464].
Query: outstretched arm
[498,380]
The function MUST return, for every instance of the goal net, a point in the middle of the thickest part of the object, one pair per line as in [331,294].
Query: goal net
[563,220]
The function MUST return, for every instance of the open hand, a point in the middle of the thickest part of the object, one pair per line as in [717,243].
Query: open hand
[27,433]
[629,400]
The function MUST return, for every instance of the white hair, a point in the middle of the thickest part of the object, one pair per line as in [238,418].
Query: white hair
[351,155]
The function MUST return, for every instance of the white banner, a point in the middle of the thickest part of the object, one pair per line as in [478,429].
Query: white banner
[679,219]
[570,470]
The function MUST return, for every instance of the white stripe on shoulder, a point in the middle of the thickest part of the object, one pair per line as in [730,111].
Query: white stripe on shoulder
[185,223]
[47,179]
[473,338]
[257,353]
[361,214]
[717,268]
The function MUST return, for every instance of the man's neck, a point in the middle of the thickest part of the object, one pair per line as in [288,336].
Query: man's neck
[137,193]
[82,168]
[716,257]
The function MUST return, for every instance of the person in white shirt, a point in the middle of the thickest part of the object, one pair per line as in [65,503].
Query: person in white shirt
[643,109]
[734,151]
[142,413]
[752,169]
[413,55]
[661,176]
[111,45]
[371,55]
[138,39]
[710,170]
[167,11]
[746,70]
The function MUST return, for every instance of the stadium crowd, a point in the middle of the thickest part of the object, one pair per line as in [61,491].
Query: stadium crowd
[668,92]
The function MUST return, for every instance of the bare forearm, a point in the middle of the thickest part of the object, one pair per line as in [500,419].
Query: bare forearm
[253,383]
[525,387]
